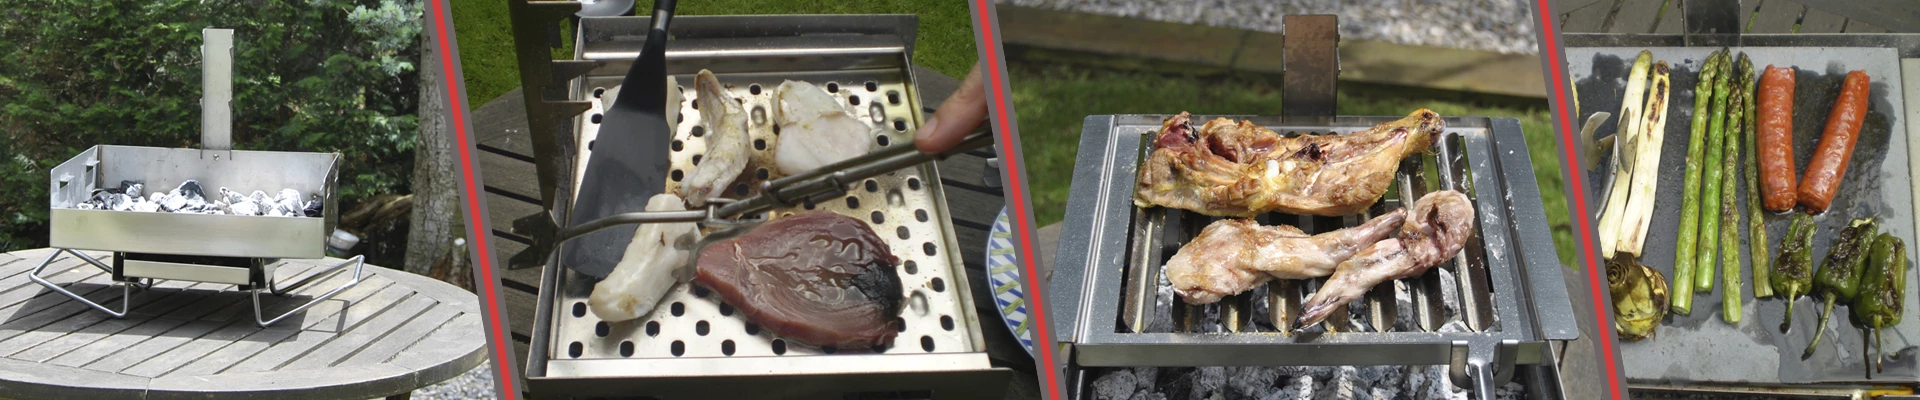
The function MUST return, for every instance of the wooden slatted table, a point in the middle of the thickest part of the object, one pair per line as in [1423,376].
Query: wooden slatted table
[391,334]
[1755,16]
[512,191]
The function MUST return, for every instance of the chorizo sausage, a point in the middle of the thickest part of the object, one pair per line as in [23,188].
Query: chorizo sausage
[1775,139]
[1829,164]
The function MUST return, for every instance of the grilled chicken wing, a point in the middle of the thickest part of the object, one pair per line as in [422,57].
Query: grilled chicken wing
[726,134]
[1240,169]
[1436,230]
[1235,255]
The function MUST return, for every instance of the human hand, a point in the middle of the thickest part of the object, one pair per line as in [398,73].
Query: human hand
[958,116]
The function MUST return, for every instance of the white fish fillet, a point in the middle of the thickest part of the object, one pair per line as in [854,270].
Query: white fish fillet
[815,129]
[645,272]
[726,154]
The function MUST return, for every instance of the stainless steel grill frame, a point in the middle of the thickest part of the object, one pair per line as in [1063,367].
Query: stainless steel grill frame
[1514,298]
[666,353]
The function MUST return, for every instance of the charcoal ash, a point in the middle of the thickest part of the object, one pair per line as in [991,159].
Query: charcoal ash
[1115,385]
[191,198]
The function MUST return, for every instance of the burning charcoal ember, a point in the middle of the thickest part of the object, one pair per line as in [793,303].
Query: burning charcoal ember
[1251,382]
[1145,394]
[1116,384]
[1512,390]
[1299,387]
[84,206]
[1207,382]
[231,197]
[245,207]
[1147,377]
[132,188]
[1345,385]
[146,206]
[314,208]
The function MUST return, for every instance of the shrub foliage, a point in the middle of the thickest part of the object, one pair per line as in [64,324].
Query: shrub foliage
[309,75]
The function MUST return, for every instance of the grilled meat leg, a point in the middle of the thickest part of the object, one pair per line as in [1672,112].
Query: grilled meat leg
[1235,255]
[1240,169]
[1436,230]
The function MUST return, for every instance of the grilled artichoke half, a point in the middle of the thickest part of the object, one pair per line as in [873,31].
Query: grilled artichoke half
[1639,298]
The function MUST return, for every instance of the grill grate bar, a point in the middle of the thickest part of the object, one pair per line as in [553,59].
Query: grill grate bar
[1159,232]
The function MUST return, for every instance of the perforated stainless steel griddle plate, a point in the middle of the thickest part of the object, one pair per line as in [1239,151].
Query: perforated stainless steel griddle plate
[693,333]
[1703,348]
[1521,286]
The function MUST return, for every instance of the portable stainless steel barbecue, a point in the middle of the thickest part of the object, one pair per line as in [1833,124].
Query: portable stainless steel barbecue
[695,345]
[231,249]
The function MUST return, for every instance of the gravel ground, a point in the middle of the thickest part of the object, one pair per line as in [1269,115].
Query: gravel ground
[1487,25]
[475,384]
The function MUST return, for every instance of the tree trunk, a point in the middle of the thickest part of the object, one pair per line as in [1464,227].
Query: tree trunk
[436,221]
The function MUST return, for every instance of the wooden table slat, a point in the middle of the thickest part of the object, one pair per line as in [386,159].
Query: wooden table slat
[415,331]
[1858,26]
[1776,16]
[1636,16]
[292,348]
[166,300]
[262,339]
[1586,18]
[1817,21]
[1673,19]
[347,344]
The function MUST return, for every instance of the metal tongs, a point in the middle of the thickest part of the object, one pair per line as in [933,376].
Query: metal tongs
[825,183]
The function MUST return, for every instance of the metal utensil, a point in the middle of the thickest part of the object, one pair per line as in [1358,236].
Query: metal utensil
[637,133]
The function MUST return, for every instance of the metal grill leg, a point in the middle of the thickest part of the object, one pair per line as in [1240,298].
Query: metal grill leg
[126,291]
[359,263]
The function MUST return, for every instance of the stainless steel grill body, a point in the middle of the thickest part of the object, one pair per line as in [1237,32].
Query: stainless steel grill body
[1511,291]
[695,345]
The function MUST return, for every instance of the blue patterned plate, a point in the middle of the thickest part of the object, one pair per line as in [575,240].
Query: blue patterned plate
[1003,274]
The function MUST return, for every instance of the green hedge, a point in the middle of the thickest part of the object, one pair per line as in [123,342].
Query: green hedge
[309,75]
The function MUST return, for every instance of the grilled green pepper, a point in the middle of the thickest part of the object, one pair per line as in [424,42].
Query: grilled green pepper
[1884,284]
[1793,271]
[1839,277]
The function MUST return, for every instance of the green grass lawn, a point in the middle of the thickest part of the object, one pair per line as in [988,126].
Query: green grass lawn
[944,43]
[1052,101]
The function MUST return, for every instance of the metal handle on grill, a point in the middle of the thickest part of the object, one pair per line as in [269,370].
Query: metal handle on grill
[821,183]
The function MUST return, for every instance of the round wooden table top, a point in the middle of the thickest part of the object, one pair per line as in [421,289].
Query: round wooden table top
[391,334]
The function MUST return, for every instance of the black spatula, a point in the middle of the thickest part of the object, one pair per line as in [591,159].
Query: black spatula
[629,162]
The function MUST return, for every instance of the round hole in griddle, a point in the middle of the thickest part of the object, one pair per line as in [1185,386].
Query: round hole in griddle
[599,91]
[726,310]
[696,159]
[893,97]
[779,347]
[910,266]
[926,342]
[938,284]
[761,174]
[695,104]
[579,309]
[701,328]
[853,203]
[900,125]
[678,309]
[740,189]
[920,214]
[590,144]
[913,183]
[626,348]
[900,323]
[726,347]
[829,349]
[946,322]
[677,145]
[853,100]
[808,204]
[676,175]
[699,131]
[601,328]
[903,232]
[753,329]
[873,186]
[776,130]
[679,348]
[879,218]
[574,349]
[679,118]
[878,348]
[653,328]
[873,86]
[595,118]
[759,144]
[754,88]
[884,140]
[698,291]
[833,87]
